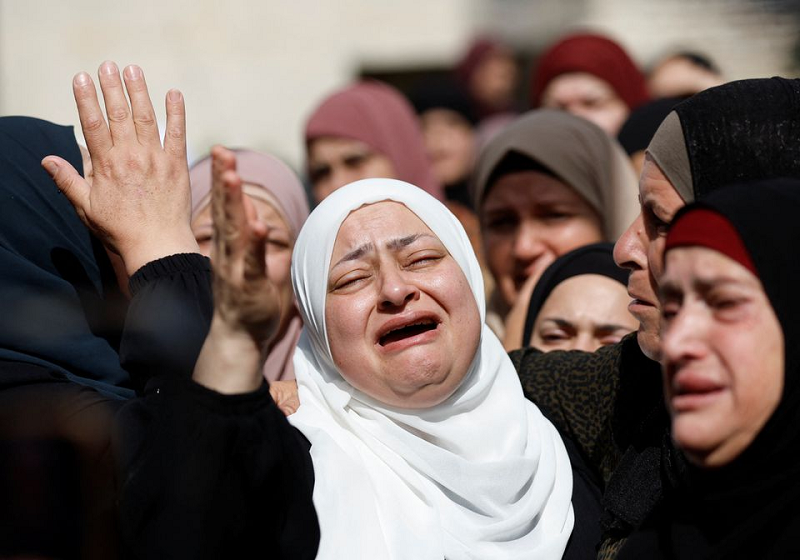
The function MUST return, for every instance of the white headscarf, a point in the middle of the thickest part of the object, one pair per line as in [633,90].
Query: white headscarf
[482,475]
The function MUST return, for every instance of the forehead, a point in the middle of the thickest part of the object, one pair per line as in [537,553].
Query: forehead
[331,147]
[578,83]
[529,187]
[701,263]
[594,294]
[377,223]
[654,185]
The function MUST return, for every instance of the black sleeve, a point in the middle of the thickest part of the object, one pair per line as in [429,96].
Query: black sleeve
[168,318]
[206,475]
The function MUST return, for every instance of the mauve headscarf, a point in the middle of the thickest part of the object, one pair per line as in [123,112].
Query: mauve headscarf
[576,151]
[269,179]
[596,55]
[378,115]
[739,131]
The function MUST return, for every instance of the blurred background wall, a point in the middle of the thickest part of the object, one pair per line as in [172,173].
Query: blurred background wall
[252,70]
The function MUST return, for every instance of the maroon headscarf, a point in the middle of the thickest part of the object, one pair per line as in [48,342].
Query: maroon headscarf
[378,115]
[596,55]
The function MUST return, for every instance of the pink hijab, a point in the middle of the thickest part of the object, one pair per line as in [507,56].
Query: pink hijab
[268,179]
[378,115]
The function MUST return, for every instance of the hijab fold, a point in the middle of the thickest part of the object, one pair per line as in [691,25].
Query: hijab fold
[481,475]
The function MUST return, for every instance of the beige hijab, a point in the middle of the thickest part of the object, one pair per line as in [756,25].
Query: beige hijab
[577,152]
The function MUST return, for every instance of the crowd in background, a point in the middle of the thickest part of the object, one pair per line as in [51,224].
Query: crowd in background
[640,219]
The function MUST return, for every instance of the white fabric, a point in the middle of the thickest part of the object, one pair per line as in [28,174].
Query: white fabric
[483,475]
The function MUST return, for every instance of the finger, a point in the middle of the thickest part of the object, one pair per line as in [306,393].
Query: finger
[230,223]
[221,160]
[144,117]
[69,182]
[255,263]
[117,109]
[93,124]
[175,133]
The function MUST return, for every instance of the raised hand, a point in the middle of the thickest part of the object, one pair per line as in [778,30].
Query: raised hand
[138,202]
[246,304]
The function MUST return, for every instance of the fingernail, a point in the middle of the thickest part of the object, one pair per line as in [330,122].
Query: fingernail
[108,68]
[174,95]
[81,79]
[133,72]
[50,166]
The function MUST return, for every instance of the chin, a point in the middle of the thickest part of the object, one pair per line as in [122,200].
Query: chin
[649,342]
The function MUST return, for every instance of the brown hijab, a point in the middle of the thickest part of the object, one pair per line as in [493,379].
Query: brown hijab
[577,152]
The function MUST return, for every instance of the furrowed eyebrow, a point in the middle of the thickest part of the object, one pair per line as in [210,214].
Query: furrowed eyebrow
[356,254]
[403,242]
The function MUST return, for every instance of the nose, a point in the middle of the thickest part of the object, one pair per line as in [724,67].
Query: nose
[630,250]
[585,342]
[529,242]
[395,290]
[682,340]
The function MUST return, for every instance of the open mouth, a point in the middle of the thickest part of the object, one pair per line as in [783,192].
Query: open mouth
[410,330]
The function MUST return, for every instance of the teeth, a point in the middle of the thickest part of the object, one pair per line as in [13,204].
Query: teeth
[421,322]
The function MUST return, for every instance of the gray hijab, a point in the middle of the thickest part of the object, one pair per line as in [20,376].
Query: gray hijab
[574,150]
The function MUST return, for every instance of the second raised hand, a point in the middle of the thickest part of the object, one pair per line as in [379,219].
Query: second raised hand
[138,201]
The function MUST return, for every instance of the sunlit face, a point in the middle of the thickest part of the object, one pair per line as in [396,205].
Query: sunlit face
[589,97]
[450,143]
[641,250]
[334,162]
[279,248]
[723,355]
[403,324]
[528,219]
[583,313]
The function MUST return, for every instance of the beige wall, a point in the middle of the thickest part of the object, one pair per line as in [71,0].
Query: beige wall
[251,75]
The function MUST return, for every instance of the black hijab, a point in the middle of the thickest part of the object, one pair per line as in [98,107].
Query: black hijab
[61,305]
[597,258]
[746,130]
[747,508]
[740,131]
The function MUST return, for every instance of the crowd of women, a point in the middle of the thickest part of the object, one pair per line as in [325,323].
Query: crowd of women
[193,365]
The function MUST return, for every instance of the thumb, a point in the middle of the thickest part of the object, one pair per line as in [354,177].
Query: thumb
[69,182]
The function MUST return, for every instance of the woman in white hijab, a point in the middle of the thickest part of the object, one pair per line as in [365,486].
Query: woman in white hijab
[422,443]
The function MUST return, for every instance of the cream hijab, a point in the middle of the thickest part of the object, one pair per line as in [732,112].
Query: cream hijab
[482,475]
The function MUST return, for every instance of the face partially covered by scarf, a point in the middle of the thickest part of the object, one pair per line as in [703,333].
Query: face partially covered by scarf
[464,477]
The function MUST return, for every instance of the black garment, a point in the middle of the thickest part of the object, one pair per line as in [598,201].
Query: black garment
[747,508]
[610,404]
[62,309]
[207,475]
[597,258]
[742,131]
[642,123]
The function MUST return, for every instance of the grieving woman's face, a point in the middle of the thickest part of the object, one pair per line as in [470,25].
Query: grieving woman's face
[278,251]
[403,324]
[722,354]
[528,219]
[583,313]
[334,162]
[589,97]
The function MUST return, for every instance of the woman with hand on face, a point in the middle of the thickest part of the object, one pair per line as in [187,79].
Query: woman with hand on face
[730,369]
[366,130]
[280,203]
[580,303]
[548,183]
